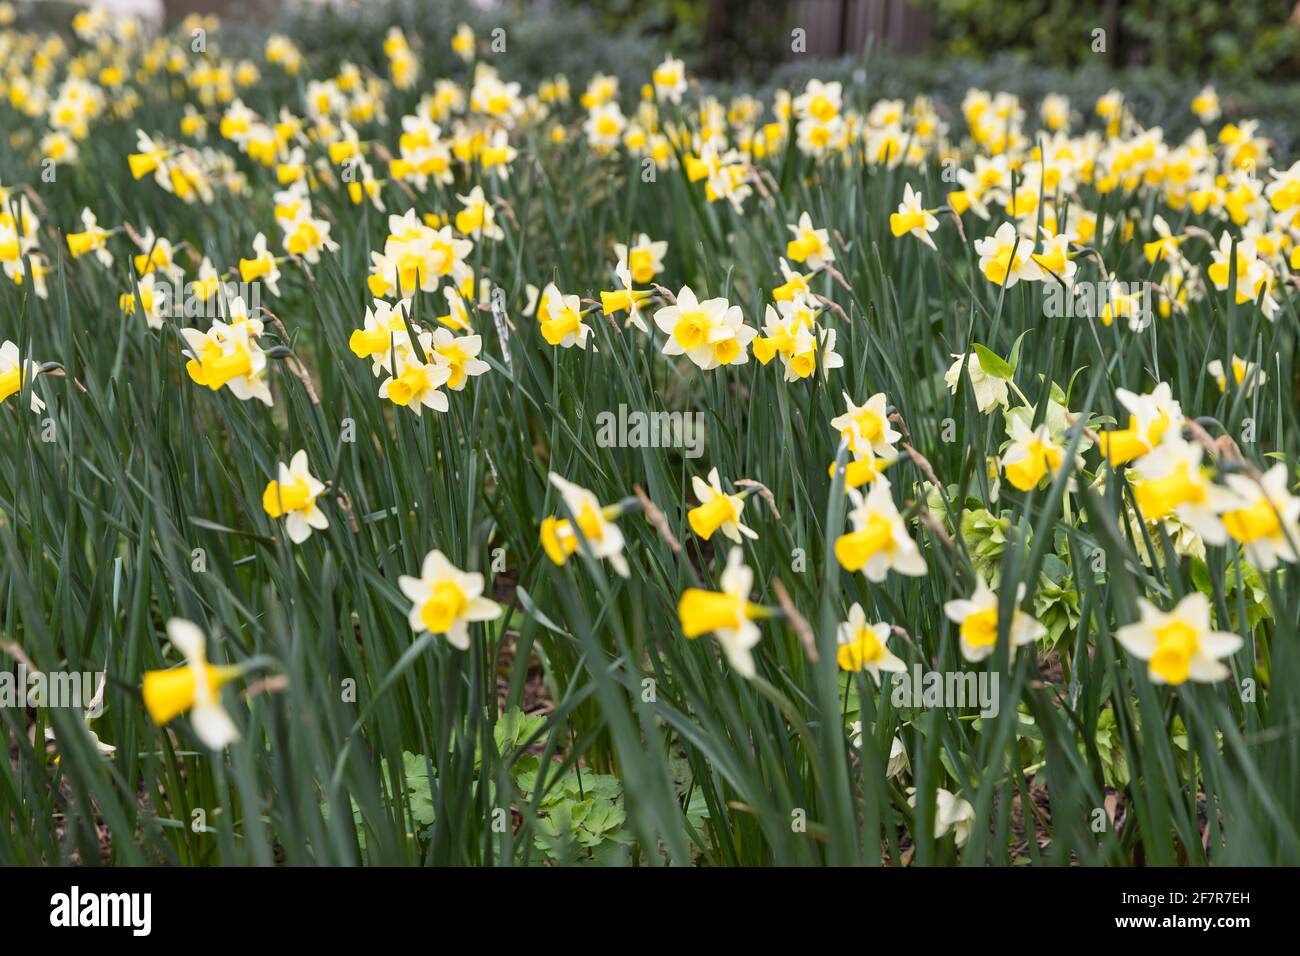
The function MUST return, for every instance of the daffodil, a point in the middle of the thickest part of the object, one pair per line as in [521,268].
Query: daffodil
[1245,374]
[1032,456]
[445,600]
[717,511]
[460,355]
[727,614]
[1171,479]
[1006,257]
[263,267]
[951,813]
[293,496]
[1151,418]
[645,257]
[670,79]
[462,42]
[415,383]
[228,356]
[863,647]
[867,427]
[1266,520]
[1205,105]
[601,537]
[990,390]
[561,319]
[477,219]
[977,621]
[879,541]
[709,333]
[809,246]
[1179,645]
[94,239]
[194,687]
[625,299]
[384,329]
[15,372]
[912,219]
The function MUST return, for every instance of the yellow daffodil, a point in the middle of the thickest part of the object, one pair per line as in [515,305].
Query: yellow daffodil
[1179,645]
[446,600]
[727,614]
[863,647]
[293,496]
[194,687]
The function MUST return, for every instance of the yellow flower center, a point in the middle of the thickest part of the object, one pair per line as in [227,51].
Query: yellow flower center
[1245,524]
[1157,497]
[279,499]
[691,329]
[408,386]
[712,515]
[444,606]
[856,548]
[1175,645]
[980,628]
[865,648]
[703,611]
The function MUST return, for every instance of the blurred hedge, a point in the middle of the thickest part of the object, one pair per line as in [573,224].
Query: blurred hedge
[1227,39]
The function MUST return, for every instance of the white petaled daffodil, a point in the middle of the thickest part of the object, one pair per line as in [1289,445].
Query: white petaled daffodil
[990,390]
[1179,645]
[705,332]
[727,614]
[879,541]
[384,330]
[625,298]
[292,496]
[1054,257]
[1151,418]
[601,536]
[446,600]
[951,813]
[460,355]
[1267,520]
[809,246]
[262,267]
[912,219]
[1006,257]
[1244,373]
[415,384]
[478,218]
[15,372]
[867,427]
[862,646]
[228,355]
[670,79]
[977,621]
[93,710]
[561,319]
[717,510]
[645,258]
[1033,455]
[194,687]
[94,239]
[1172,480]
